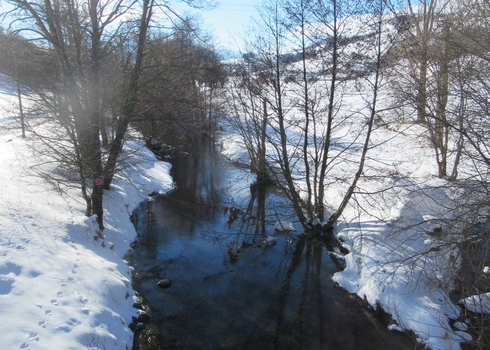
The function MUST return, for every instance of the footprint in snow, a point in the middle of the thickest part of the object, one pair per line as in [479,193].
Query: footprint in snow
[59,294]
[48,312]
[6,285]
[73,322]
[73,271]
[54,301]
[24,346]
[33,336]
[42,323]
[6,277]
[10,268]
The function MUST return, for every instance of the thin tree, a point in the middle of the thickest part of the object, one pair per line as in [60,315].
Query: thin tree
[298,165]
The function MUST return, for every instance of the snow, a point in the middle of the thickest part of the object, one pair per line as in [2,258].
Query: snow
[283,226]
[394,327]
[461,326]
[479,303]
[268,242]
[59,287]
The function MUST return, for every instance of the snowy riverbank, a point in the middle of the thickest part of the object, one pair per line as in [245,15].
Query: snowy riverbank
[393,259]
[59,287]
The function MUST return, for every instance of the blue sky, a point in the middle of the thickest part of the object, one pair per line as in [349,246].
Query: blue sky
[228,19]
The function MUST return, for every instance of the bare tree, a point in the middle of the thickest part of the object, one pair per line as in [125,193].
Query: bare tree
[82,36]
[456,120]
[304,100]
[428,52]
[180,83]
[75,33]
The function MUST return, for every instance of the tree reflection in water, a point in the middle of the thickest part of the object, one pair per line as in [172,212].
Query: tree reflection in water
[275,298]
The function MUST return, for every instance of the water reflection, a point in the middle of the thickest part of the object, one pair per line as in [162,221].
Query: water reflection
[264,298]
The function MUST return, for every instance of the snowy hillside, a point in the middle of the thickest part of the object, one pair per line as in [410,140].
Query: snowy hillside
[59,287]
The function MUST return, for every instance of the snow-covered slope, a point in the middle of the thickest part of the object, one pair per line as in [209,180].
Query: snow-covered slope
[59,287]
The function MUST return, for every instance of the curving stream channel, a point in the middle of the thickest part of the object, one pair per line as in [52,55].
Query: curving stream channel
[230,290]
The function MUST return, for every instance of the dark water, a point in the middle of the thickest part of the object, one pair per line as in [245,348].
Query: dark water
[227,294]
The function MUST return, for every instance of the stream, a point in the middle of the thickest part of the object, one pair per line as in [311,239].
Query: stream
[231,288]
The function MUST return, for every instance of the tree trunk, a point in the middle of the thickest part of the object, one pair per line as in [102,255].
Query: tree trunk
[441,124]
[461,116]
[283,153]
[320,209]
[97,191]
[347,197]
[19,96]
[262,176]
[306,101]
[421,99]
[129,104]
